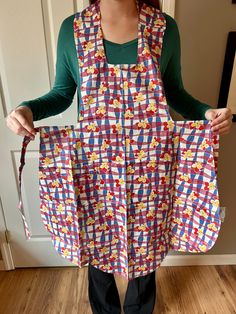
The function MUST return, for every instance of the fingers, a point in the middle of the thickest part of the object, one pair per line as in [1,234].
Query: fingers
[224,115]
[18,128]
[220,125]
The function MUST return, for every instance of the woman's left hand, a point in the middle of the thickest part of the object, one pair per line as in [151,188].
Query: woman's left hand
[221,119]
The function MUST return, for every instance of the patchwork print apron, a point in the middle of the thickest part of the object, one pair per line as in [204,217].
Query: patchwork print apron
[127,183]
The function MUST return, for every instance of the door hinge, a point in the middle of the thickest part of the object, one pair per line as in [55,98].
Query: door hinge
[7,236]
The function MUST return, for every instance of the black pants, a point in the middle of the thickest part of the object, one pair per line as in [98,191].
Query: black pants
[104,297]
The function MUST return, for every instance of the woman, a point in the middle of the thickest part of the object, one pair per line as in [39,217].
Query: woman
[119,20]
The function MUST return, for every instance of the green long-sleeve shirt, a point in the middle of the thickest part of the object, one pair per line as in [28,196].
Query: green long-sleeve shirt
[60,97]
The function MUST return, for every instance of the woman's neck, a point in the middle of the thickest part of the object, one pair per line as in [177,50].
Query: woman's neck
[112,10]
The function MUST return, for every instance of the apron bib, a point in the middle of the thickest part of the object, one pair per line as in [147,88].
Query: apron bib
[126,184]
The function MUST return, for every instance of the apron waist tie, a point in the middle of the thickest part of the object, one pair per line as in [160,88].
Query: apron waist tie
[25,142]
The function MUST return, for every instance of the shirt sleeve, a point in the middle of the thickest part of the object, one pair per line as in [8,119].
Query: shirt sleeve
[177,97]
[60,97]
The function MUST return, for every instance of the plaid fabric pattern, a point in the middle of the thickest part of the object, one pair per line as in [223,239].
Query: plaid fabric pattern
[127,183]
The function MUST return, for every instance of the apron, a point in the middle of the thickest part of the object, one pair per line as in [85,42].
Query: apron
[126,184]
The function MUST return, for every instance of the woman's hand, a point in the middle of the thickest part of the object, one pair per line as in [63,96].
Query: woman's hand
[20,121]
[221,119]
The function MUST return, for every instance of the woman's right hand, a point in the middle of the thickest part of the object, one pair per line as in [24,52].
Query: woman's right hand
[20,121]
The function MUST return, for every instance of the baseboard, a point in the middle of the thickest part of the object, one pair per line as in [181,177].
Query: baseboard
[203,259]
[188,260]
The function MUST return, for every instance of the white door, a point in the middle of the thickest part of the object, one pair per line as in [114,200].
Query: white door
[28,33]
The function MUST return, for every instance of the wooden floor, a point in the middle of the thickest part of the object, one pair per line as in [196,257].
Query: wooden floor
[190,290]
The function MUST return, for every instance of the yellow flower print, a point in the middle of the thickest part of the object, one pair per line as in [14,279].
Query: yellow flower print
[152,107]
[143,124]
[57,149]
[170,124]
[202,248]
[193,196]
[157,50]
[131,262]
[197,124]
[91,69]
[99,205]
[60,208]
[41,175]
[139,97]
[187,154]
[91,244]
[147,31]
[154,142]
[184,238]
[174,240]
[164,206]
[167,157]
[117,127]
[109,213]
[116,103]
[88,45]
[101,110]
[121,181]
[78,145]
[176,140]
[212,226]
[44,209]
[114,240]
[125,85]
[177,221]
[69,218]
[185,177]
[128,114]
[47,161]
[211,186]
[92,127]
[149,10]
[150,257]
[140,154]
[105,144]
[146,51]
[215,203]
[78,23]
[141,205]
[152,85]
[115,71]
[113,255]
[103,227]
[131,219]
[109,196]
[93,156]
[178,201]
[104,166]
[64,230]
[142,227]
[203,213]
[55,183]
[150,213]
[100,53]
[139,67]
[141,250]
[204,144]
[158,22]
[188,211]
[70,176]
[197,165]
[58,169]
[122,209]
[90,221]
[88,13]
[130,170]
[54,219]
[65,252]
[95,262]
[153,195]
[102,88]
